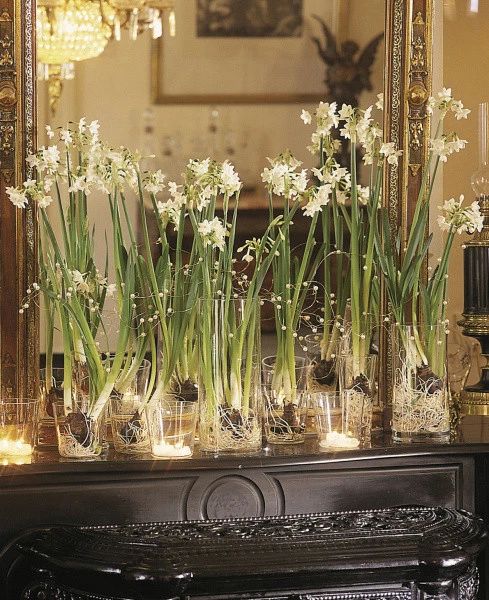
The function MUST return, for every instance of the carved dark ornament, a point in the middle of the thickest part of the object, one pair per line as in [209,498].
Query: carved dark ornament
[428,549]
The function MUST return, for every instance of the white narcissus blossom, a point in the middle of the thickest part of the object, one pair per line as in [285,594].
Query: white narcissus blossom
[363,194]
[45,201]
[93,128]
[49,132]
[66,137]
[460,219]
[447,145]
[388,151]
[444,102]
[81,285]
[155,182]
[317,200]
[380,101]
[213,233]
[250,246]
[230,183]
[306,117]
[82,125]
[199,167]
[282,179]
[17,197]
[347,112]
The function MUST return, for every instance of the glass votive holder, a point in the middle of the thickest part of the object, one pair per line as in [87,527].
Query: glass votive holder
[171,423]
[18,427]
[328,409]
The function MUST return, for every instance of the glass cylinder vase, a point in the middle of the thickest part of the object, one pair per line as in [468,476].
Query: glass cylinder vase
[286,400]
[127,415]
[358,385]
[230,405]
[420,401]
[18,427]
[80,432]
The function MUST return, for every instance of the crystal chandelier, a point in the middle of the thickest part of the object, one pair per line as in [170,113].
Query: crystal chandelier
[69,31]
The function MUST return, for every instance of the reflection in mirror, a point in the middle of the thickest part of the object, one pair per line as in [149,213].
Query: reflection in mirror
[197,79]
[468,23]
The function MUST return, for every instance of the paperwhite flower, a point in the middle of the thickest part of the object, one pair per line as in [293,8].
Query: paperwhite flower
[80,283]
[388,151]
[282,179]
[49,132]
[306,117]
[17,197]
[230,183]
[347,112]
[30,183]
[454,216]
[317,200]
[363,194]
[447,145]
[213,233]
[459,110]
[251,246]
[155,182]
[380,101]
[66,137]
[82,125]
[44,201]
[199,168]
[93,128]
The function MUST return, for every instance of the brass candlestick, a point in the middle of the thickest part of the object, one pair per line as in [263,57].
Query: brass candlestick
[474,399]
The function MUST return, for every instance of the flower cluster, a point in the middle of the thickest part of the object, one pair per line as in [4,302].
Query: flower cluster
[446,145]
[460,219]
[444,102]
[282,177]
[213,233]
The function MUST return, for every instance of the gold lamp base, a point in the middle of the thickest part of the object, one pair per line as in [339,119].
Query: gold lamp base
[474,403]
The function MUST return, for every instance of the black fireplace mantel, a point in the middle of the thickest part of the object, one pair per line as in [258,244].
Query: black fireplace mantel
[280,481]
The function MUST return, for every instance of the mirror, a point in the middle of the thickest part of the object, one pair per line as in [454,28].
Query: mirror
[230,84]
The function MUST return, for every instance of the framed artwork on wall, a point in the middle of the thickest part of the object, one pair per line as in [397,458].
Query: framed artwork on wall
[244,52]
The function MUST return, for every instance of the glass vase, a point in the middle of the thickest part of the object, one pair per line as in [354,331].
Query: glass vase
[127,415]
[80,433]
[230,404]
[358,385]
[286,401]
[172,421]
[420,402]
[339,428]
[51,401]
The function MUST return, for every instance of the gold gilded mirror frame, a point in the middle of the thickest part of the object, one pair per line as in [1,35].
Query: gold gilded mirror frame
[18,228]
[407,85]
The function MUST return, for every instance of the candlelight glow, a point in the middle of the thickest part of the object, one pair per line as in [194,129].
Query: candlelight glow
[171,451]
[334,439]
[15,448]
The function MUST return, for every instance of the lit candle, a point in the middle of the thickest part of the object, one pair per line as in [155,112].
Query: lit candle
[171,451]
[339,440]
[15,448]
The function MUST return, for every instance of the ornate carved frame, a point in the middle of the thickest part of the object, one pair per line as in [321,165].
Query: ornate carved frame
[407,85]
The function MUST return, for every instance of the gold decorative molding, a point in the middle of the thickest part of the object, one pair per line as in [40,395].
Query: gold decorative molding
[418,91]
[18,228]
